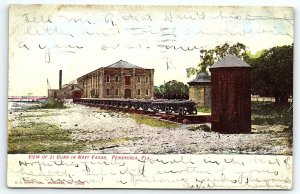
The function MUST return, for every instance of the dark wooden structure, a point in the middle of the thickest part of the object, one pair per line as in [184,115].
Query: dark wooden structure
[231,95]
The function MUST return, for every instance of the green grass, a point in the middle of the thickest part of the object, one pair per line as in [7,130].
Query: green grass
[53,104]
[142,119]
[49,104]
[44,138]
[203,109]
[40,138]
[43,114]
[268,113]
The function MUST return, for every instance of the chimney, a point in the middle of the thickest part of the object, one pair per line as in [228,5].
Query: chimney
[60,79]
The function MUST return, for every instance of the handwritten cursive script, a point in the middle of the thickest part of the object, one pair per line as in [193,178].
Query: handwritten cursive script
[169,29]
[151,171]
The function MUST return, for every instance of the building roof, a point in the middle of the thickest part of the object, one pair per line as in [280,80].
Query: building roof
[203,77]
[124,64]
[230,61]
[119,64]
[75,86]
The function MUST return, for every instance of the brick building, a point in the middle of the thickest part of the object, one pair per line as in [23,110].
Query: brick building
[200,90]
[118,80]
[67,91]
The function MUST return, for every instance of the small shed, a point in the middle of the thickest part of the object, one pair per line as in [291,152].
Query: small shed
[231,95]
[200,89]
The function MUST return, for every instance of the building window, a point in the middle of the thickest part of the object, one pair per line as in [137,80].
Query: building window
[117,79]
[147,92]
[127,80]
[107,92]
[147,79]
[139,92]
[139,79]
[117,92]
[107,79]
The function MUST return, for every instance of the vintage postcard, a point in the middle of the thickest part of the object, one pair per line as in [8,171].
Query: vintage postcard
[133,96]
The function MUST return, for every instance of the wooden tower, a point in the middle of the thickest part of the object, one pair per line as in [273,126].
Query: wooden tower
[231,95]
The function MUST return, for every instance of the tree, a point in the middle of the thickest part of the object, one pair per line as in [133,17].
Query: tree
[159,91]
[272,73]
[209,57]
[172,90]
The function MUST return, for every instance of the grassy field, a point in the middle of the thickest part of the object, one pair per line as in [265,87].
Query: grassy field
[45,138]
[49,104]
[203,109]
[53,103]
[268,113]
[36,136]
[40,138]
[146,120]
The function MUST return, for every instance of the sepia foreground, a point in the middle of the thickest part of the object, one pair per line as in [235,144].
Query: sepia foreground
[80,129]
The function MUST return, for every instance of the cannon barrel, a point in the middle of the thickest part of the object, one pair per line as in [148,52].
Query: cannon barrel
[161,105]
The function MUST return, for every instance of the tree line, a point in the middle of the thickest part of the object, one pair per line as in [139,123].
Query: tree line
[172,90]
[271,69]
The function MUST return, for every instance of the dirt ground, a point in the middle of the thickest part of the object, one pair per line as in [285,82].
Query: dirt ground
[120,133]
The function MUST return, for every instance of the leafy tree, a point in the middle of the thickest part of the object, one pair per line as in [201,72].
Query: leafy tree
[176,87]
[209,57]
[156,90]
[172,90]
[158,93]
[272,69]
[272,73]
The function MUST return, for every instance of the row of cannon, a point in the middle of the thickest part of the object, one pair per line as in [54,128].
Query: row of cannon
[181,107]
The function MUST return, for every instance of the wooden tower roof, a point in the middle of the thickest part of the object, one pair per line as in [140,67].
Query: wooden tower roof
[229,61]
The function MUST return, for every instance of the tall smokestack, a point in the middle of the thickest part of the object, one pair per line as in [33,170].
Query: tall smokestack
[60,78]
